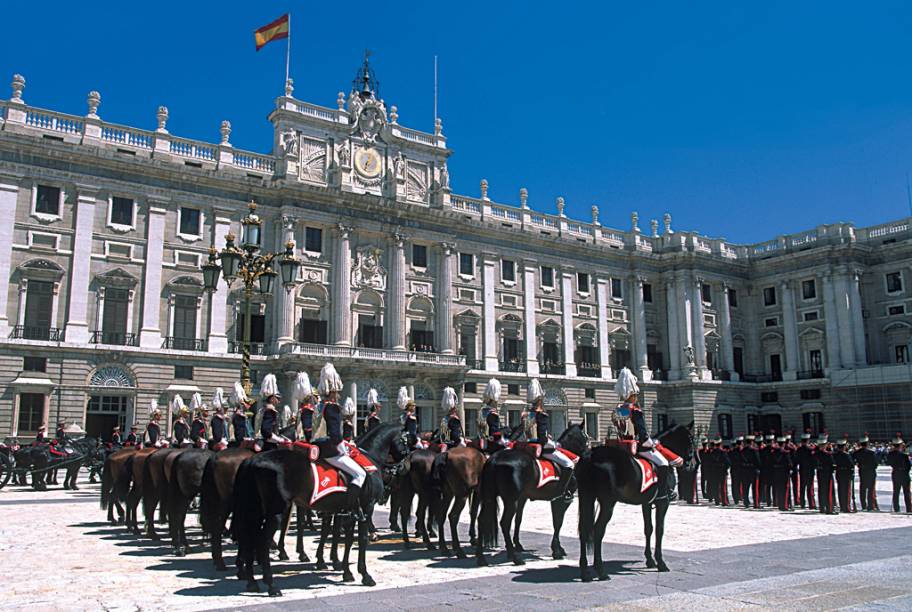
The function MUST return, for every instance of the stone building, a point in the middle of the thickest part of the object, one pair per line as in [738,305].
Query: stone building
[103,310]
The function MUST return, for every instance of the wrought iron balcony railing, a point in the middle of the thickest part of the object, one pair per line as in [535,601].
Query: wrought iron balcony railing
[185,344]
[33,332]
[115,338]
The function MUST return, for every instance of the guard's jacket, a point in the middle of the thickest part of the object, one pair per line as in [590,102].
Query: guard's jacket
[153,431]
[115,439]
[239,422]
[61,435]
[372,420]
[493,423]
[268,424]
[307,419]
[219,426]
[348,431]
[181,431]
[197,429]
[332,416]
[131,439]
[410,427]
[454,425]
[542,427]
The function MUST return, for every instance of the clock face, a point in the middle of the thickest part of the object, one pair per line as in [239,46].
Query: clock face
[367,163]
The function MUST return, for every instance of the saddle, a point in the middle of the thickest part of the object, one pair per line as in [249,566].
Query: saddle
[533,449]
[649,475]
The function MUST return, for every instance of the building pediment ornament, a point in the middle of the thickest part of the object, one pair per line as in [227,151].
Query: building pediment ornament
[116,278]
[41,269]
[367,272]
[111,376]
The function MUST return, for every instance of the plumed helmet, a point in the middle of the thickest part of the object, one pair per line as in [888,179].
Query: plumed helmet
[448,399]
[238,395]
[626,384]
[534,392]
[270,386]
[302,388]
[218,398]
[196,401]
[403,399]
[492,391]
[348,408]
[329,379]
[373,399]
[177,405]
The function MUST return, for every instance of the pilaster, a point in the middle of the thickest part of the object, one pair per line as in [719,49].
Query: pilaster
[488,264]
[395,314]
[530,266]
[830,318]
[150,332]
[9,191]
[445,298]
[342,323]
[790,329]
[601,296]
[639,327]
[77,326]
[218,299]
[567,321]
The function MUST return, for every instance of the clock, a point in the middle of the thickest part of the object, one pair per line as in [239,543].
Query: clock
[367,163]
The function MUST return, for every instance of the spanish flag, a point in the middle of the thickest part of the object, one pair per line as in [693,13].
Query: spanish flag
[273,31]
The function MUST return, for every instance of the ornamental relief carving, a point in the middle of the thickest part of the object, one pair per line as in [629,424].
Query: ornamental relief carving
[417,181]
[313,159]
[367,270]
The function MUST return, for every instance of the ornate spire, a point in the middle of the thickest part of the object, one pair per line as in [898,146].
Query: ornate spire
[366,84]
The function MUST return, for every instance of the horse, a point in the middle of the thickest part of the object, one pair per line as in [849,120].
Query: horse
[185,483]
[267,483]
[216,489]
[611,474]
[512,474]
[417,479]
[115,483]
[155,486]
[459,476]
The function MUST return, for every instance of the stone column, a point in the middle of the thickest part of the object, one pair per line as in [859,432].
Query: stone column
[342,323]
[834,359]
[699,339]
[445,299]
[529,323]
[858,324]
[9,191]
[638,310]
[682,296]
[489,345]
[218,299]
[353,393]
[567,322]
[725,329]
[150,332]
[395,312]
[673,334]
[77,326]
[790,328]
[844,319]
[283,298]
[601,296]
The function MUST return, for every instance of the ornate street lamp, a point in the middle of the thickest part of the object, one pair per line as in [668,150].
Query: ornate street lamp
[253,268]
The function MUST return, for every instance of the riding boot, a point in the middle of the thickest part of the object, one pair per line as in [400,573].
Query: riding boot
[672,484]
[662,472]
[354,502]
[565,482]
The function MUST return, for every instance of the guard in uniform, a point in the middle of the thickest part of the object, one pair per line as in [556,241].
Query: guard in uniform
[181,431]
[750,458]
[373,404]
[219,428]
[61,435]
[239,418]
[550,449]
[766,470]
[132,438]
[710,465]
[867,462]
[791,447]
[307,404]
[737,470]
[825,468]
[705,468]
[408,418]
[349,411]
[41,436]
[845,476]
[807,463]
[153,430]
[454,432]
[723,466]
[898,460]
[116,441]
[269,414]
[781,468]
[198,427]
[490,417]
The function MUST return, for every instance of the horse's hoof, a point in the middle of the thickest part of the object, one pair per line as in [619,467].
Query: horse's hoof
[366,580]
[221,567]
[178,552]
[558,554]
[518,547]
[460,554]
[303,558]
[394,527]
[482,562]
[446,552]
[252,586]
[586,576]
[518,561]
[275,592]
[283,556]
[74,488]
[650,563]
[348,577]
[321,566]
[338,565]
[432,546]
[603,575]
[663,567]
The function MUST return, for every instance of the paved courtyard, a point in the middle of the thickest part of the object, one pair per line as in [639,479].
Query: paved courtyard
[67,556]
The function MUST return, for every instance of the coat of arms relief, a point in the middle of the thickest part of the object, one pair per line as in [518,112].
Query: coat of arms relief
[367,270]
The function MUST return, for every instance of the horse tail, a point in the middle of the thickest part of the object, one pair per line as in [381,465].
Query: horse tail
[245,504]
[107,484]
[487,517]
[209,501]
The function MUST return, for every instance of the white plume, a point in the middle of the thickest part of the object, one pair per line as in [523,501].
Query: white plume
[535,391]
[373,399]
[218,399]
[403,399]
[492,391]
[153,407]
[626,384]
[348,408]
[196,401]
[302,388]
[448,399]
[270,386]
[238,396]
[329,379]
[177,404]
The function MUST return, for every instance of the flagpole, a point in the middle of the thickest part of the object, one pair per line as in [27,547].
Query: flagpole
[288,50]
[435,90]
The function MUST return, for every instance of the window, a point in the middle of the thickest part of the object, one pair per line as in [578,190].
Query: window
[313,240]
[812,315]
[661,422]
[771,322]
[813,421]
[582,282]
[39,301]
[769,296]
[815,359]
[313,331]
[370,336]
[507,271]
[114,316]
[511,350]
[31,411]
[810,394]
[513,389]
[617,292]
[724,421]
[122,211]
[421,340]
[419,256]
[47,200]
[589,393]
[620,359]
[470,387]
[34,364]
[189,223]
[769,397]
[471,424]
[647,293]
[901,353]
[466,264]
[738,358]
[776,366]
[753,420]
[894,282]
[257,328]
[118,250]
[43,241]
[183,372]
[184,322]
[547,277]
[809,289]
[653,357]
[592,424]
[732,298]
[706,293]
[892,311]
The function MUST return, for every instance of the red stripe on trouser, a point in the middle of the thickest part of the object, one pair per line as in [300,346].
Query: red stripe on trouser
[799,491]
[695,499]
[757,493]
[811,502]
[830,496]
[788,492]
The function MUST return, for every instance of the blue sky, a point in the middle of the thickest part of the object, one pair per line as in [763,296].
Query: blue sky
[742,121]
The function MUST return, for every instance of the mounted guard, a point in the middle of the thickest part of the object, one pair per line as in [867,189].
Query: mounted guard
[373,403]
[242,407]
[451,426]
[349,412]
[306,400]
[269,415]
[490,417]
[408,419]
[152,437]
[180,432]
[198,424]
[219,424]
[535,395]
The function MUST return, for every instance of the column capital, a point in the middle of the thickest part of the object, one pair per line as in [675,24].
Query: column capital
[639,278]
[344,229]
[288,221]
[786,283]
[86,192]
[448,247]
[399,238]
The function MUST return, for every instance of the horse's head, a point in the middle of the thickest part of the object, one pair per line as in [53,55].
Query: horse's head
[574,439]
[679,439]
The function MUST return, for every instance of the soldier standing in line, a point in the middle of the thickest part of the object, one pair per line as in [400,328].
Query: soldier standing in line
[750,456]
[845,475]
[766,469]
[804,457]
[781,466]
[702,453]
[723,450]
[711,468]
[866,459]
[791,447]
[898,459]
[825,467]
[737,470]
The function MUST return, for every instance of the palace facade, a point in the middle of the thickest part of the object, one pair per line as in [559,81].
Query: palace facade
[103,311]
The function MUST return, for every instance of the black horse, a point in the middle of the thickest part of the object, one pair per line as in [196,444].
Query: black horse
[512,475]
[611,474]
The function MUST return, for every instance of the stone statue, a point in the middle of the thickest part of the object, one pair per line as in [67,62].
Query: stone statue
[344,155]
[689,355]
[289,143]
[444,177]
[399,165]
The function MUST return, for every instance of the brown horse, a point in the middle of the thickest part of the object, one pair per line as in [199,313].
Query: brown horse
[186,478]
[155,486]
[417,480]
[459,477]
[137,467]
[216,490]
[115,483]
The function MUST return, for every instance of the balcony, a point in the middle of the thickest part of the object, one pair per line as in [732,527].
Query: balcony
[256,348]
[552,368]
[329,351]
[185,344]
[32,332]
[422,348]
[590,370]
[761,378]
[475,364]
[514,365]
[721,375]
[113,338]
[810,374]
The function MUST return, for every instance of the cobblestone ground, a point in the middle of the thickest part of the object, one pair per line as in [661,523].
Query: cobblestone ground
[60,552]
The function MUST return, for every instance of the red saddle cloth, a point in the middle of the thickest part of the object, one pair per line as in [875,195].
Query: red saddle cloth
[547,472]
[649,474]
[630,445]
[534,449]
[361,459]
[327,480]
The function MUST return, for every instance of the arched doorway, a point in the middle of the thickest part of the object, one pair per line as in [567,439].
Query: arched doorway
[111,401]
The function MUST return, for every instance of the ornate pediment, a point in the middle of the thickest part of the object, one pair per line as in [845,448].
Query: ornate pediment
[41,269]
[367,271]
[112,376]
[116,278]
